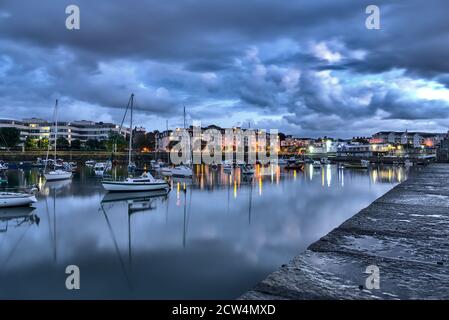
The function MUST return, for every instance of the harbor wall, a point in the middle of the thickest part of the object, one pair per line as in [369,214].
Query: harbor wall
[404,234]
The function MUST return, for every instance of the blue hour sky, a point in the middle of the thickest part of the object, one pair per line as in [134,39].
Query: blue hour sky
[309,68]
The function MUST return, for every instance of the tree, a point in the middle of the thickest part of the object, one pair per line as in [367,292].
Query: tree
[116,139]
[63,143]
[93,144]
[9,137]
[42,144]
[30,143]
[75,145]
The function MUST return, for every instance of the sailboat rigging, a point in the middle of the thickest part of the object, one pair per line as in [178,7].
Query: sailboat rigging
[146,182]
[56,174]
[184,170]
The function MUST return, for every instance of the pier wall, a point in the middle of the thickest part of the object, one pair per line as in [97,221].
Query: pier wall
[405,233]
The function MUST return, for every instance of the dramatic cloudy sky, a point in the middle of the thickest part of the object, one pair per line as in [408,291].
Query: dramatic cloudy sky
[309,68]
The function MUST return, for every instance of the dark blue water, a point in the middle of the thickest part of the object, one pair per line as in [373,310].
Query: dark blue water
[213,236]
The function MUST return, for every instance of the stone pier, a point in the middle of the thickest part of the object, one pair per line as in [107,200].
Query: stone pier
[405,233]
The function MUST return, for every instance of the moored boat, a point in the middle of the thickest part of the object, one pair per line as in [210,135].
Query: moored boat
[90,163]
[316,164]
[182,171]
[57,173]
[146,182]
[16,199]
[3,166]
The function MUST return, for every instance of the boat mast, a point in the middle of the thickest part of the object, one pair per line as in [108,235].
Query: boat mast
[131,131]
[56,126]
[184,117]
[49,140]
[190,147]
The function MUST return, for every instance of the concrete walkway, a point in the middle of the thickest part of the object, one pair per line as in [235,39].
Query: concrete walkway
[405,233]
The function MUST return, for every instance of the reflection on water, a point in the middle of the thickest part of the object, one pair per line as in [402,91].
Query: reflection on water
[213,236]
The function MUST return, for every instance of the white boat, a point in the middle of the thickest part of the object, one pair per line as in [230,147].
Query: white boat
[282,161]
[56,173]
[316,164]
[182,171]
[90,163]
[146,182]
[325,160]
[101,167]
[16,199]
[3,166]
[364,163]
[166,171]
[227,167]
[155,165]
[408,163]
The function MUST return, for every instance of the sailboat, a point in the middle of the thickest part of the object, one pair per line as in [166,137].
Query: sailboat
[184,170]
[146,182]
[56,174]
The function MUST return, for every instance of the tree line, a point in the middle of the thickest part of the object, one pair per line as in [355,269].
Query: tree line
[10,139]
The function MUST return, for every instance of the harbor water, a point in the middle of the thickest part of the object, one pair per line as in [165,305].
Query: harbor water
[210,237]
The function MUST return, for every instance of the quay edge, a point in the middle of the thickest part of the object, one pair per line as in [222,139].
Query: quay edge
[404,233]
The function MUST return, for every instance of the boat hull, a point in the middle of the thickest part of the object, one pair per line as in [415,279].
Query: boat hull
[16,200]
[57,177]
[182,173]
[113,186]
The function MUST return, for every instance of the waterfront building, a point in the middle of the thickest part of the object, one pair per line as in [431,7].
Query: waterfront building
[414,139]
[82,130]
[443,150]
[164,140]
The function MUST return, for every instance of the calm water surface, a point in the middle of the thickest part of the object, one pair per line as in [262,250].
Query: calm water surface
[213,236]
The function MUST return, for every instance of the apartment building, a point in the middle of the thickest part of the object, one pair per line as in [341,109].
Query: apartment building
[415,139]
[82,130]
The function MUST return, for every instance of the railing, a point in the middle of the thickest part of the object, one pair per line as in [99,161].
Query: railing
[108,177]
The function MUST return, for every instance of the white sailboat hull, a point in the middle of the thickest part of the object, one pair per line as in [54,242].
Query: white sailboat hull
[123,186]
[9,199]
[182,172]
[57,175]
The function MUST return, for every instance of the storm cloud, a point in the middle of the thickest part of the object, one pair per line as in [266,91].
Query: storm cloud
[305,67]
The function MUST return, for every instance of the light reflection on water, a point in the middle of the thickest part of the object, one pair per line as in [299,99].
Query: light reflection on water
[213,236]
